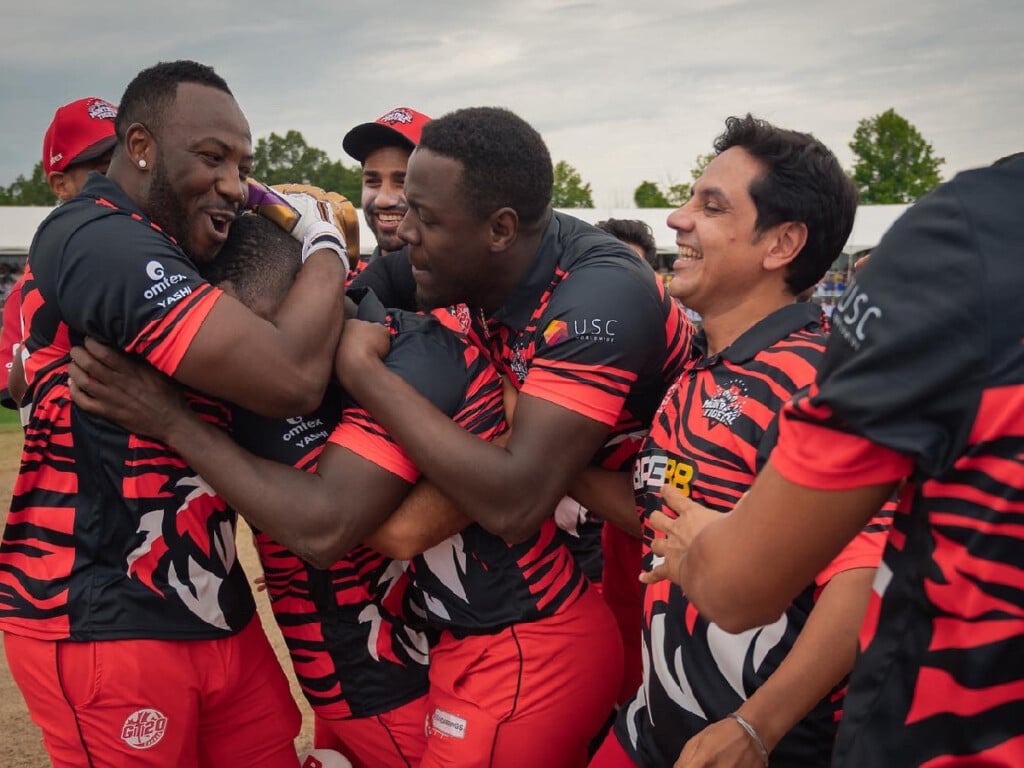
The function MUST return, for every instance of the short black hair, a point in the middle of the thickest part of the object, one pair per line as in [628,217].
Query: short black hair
[505,161]
[152,91]
[633,232]
[803,182]
[259,258]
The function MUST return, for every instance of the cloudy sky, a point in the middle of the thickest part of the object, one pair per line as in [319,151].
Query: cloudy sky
[624,91]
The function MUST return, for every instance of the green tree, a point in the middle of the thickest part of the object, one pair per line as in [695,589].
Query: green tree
[30,191]
[569,191]
[894,163]
[289,159]
[649,195]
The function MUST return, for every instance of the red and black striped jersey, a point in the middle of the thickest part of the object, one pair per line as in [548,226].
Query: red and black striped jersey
[352,650]
[111,535]
[473,581]
[591,328]
[709,439]
[924,378]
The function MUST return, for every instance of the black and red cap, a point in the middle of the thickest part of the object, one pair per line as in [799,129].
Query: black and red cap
[399,127]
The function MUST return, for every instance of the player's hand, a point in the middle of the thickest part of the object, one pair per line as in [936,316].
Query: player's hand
[332,207]
[129,392]
[670,549]
[723,744]
[363,344]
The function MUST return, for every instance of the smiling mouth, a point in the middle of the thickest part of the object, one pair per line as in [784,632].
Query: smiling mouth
[688,253]
[390,219]
[221,222]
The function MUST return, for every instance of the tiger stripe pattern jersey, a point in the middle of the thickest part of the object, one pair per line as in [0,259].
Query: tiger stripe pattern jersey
[924,379]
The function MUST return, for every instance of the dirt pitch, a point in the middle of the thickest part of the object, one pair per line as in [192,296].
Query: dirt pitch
[20,742]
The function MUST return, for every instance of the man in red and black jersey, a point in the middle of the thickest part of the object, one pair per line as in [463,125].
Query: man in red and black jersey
[114,548]
[576,322]
[362,668]
[767,218]
[923,380]
[79,140]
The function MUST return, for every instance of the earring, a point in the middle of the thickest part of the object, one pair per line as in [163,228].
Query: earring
[142,163]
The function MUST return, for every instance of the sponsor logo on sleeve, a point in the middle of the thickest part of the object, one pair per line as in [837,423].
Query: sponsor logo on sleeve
[854,315]
[305,432]
[162,289]
[144,728]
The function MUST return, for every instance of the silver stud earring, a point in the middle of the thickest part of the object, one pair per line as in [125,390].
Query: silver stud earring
[142,163]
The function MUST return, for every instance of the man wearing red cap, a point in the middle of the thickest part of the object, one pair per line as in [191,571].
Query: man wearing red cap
[128,623]
[79,140]
[383,148]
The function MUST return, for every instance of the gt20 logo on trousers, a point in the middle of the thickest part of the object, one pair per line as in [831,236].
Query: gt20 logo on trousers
[144,728]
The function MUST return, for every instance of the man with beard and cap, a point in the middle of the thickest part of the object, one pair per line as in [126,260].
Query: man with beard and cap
[128,623]
[79,140]
[382,149]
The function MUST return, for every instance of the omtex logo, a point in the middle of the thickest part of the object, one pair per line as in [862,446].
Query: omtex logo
[161,289]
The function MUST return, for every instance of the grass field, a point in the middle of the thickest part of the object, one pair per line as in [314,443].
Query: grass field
[20,742]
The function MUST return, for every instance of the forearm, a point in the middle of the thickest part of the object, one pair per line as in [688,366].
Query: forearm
[504,489]
[743,570]
[291,506]
[310,320]
[424,519]
[609,495]
[823,654]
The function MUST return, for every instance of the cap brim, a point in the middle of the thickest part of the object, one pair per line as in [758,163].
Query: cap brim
[93,151]
[363,139]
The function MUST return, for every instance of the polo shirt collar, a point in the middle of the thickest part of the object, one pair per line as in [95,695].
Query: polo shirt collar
[100,187]
[764,333]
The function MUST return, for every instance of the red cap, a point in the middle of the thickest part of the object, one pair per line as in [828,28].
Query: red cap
[82,130]
[399,127]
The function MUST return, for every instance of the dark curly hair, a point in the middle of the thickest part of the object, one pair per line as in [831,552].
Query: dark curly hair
[633,232]
[152,91]
[804,182]
[505,161]
[259,259]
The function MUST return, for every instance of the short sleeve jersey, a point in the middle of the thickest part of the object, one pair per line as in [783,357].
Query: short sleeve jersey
[590,328]
[924,377]
[709,439]
[352,650]
[111,535]
[474,581]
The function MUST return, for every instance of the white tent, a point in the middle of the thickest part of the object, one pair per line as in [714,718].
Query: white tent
[18,224]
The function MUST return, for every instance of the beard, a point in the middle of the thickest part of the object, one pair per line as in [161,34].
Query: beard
[165,209]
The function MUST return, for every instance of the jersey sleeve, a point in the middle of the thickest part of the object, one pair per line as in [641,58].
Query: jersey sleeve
[430,361]
[598,334]
[126,285]
[906,361]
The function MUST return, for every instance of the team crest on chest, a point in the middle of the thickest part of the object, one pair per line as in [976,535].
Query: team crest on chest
[518,364]
[726,404]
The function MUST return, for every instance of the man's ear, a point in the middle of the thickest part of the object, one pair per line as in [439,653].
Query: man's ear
[58,184]
[140,145]
[504,227]
[788,239]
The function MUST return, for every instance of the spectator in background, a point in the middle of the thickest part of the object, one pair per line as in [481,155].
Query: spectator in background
[636,234]
[79,140]
[382,149]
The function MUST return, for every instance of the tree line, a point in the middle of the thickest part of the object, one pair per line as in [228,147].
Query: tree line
[893,164]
